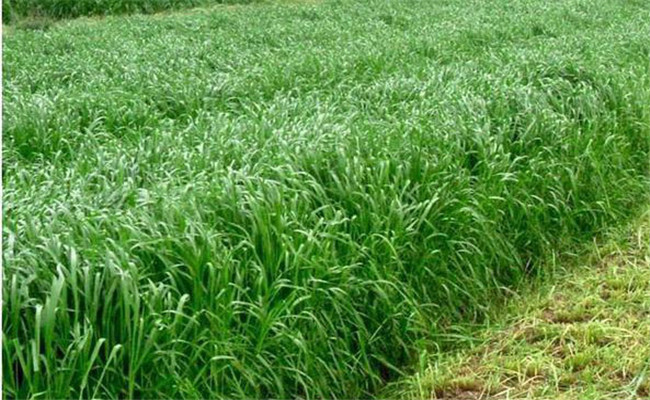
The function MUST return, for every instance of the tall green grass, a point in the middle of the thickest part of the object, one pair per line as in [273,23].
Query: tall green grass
[295,201]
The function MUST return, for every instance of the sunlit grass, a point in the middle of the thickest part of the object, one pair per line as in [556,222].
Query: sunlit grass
[297,200]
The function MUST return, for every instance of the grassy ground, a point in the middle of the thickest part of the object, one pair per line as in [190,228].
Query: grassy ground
[283,201]
[585,337]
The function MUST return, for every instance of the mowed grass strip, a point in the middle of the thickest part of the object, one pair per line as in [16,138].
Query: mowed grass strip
[298,200]
[585,337]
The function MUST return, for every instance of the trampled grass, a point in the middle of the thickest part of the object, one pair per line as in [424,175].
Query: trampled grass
[584,336]
[298,200]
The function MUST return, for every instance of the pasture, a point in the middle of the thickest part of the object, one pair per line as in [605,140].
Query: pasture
[298,200]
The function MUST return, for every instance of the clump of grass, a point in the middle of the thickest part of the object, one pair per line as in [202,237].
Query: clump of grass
[296,201]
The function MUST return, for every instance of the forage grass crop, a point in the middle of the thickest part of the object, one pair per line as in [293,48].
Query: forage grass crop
[297,200]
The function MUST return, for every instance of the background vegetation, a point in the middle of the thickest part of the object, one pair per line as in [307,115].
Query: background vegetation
[298,200]
[55,9]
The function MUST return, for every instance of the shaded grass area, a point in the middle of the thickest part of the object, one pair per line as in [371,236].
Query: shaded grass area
[585,337]
[298,200]
[32,14]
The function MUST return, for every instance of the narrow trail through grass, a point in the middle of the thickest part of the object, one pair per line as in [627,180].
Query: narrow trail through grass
[587,336]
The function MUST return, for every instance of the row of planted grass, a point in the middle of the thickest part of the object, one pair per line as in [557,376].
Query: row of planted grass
[295,201]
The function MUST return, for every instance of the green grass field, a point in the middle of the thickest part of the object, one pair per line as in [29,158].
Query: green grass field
[299,200]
